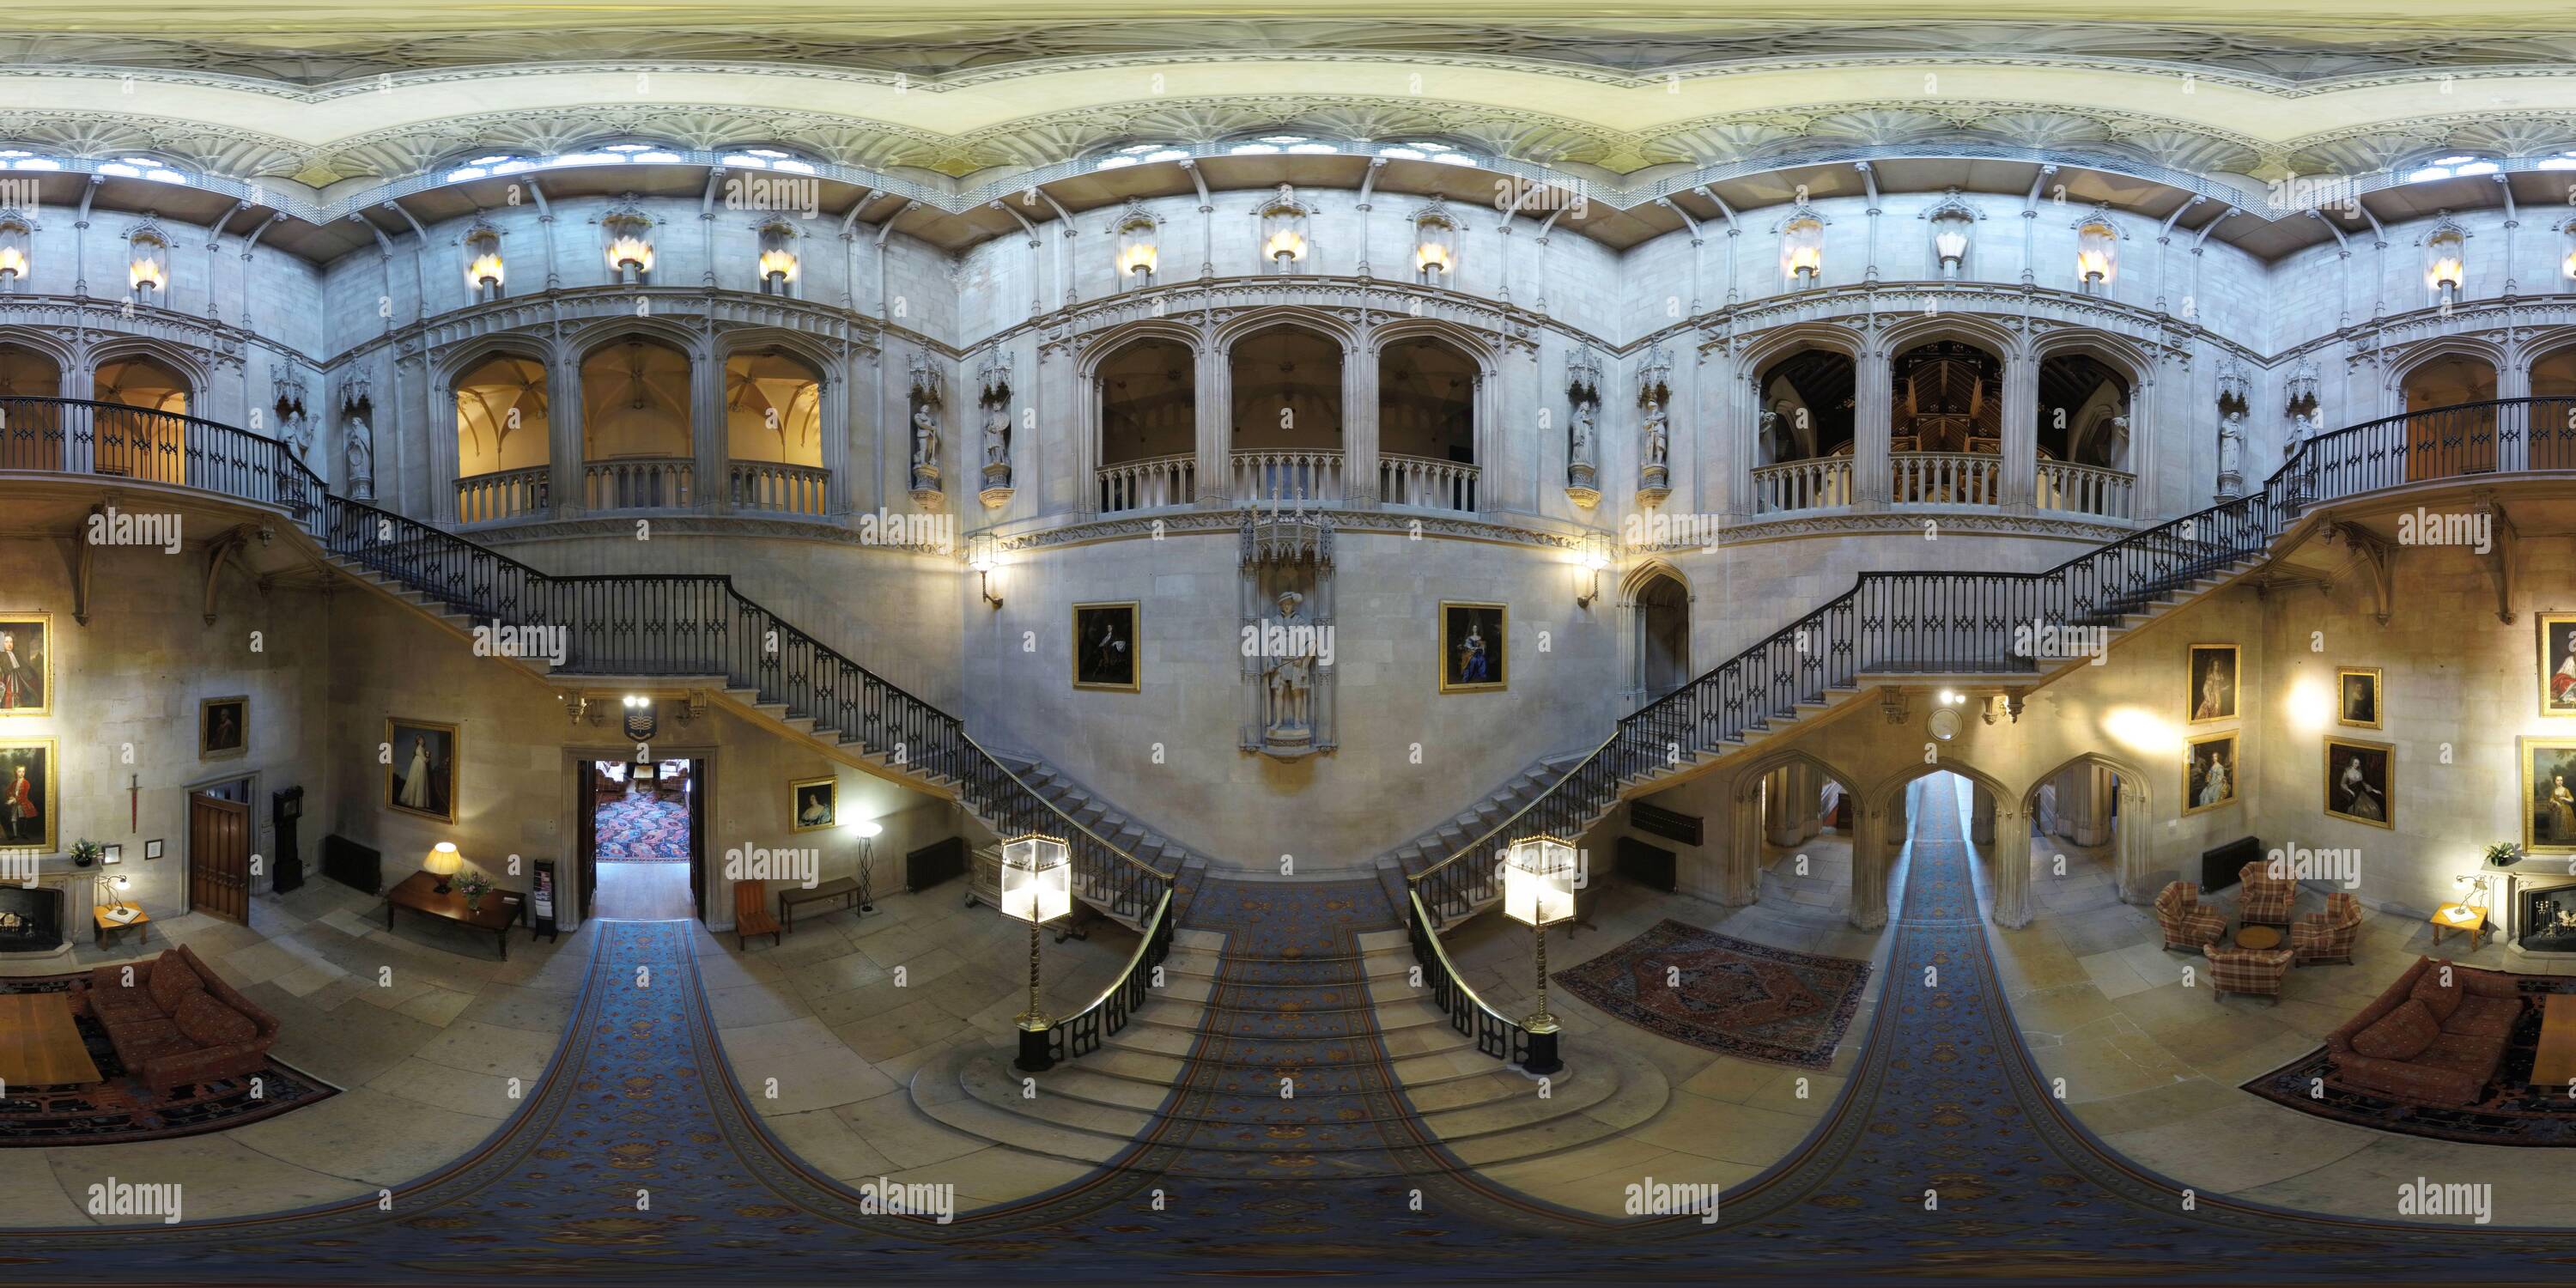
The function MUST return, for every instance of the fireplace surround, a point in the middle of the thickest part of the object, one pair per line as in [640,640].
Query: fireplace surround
[31,919]
[2544,915]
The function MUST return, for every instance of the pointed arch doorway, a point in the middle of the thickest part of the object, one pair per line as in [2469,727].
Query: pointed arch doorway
[1655,603]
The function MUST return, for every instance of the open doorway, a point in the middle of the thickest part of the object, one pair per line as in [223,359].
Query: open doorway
[642,837]
[1804,813]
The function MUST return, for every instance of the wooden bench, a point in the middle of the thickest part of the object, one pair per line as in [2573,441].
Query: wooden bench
[845,889]
[751,915]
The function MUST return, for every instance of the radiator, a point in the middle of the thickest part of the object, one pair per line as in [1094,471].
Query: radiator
[353,865]
[934,863]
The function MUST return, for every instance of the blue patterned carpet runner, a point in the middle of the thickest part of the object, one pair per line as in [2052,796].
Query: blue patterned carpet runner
[637,1160]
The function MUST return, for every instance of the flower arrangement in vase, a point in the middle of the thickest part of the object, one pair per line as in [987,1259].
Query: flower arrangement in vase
[2504,854]
[473,885]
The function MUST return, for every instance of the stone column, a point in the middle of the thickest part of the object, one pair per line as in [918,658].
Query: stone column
[711,454]
[1811,786]
[1739,874]
[2012,867]
[833,392]
[2020,435]
[564,456]
[1876,838]
[1360,427]
[1981,816]
[2130,833]
[1215,386]
[2093,817]
[2513,424]
[1873,407]
[1779,814]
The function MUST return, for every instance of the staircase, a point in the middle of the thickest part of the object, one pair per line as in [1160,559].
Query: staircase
[1077,802]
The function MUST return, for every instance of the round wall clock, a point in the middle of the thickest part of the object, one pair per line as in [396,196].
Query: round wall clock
[1943,723]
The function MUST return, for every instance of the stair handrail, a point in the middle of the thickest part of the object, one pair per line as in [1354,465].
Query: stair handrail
[1077,824]
[1082,1032]
[1496,1034]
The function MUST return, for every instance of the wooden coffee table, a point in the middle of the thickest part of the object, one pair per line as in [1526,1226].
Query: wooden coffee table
[138,924]
[40,1045]
[2258,937]
[2452,916]
[2554,1064]
[419,892]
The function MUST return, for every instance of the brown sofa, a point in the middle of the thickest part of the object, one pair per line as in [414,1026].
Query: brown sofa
[179,1023]
[2426,1042]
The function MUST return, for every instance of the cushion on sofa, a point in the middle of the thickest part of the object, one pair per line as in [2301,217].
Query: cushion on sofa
[2465,1052]
[2438,997]
[2402,1034]
[2485,1016]
[208,1022]
[145,1040]
[171,983]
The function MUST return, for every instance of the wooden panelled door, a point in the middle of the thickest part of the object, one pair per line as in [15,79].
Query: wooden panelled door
[219,844]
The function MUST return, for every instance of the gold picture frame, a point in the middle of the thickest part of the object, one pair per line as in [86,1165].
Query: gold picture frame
[2226,758]
[2196,696]
[829,797]
[2372,707]
[419,743]
[1100,655]
[2362,780]
[27,664]
[2541,800]
[41,797]
[1493,658]
[2557,656]
[213,728]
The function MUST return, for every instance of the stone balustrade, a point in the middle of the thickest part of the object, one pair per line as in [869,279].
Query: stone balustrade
[1423,483]
[1148,484]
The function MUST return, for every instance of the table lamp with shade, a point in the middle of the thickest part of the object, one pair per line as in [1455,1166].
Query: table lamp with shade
[1538,892]
[1037,887]
[443,862]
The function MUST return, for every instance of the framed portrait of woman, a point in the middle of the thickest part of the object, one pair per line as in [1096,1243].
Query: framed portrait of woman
[2549,795]
[421,777]
[2357,697]
[2210,772]
[815,802]
[2357,782]
[2558,664]
[2213,683]
[1473,648]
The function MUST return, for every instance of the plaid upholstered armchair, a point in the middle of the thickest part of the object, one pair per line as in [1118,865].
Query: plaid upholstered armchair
[2328,936]
[2257,971]
[2188,923]
[2265,899]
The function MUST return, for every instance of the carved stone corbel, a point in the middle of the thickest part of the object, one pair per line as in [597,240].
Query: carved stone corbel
[1892,703]
[2499,557]
[85,561]
[226,549]
[2375,556]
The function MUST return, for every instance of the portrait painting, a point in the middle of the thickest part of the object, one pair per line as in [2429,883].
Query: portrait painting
[2357,785]
[2213,683]
[223,728]
[27,794]
[815,803]
[2549,796]
[26,664]
[2210,772]
[1473,649]
[1104,647]
[421,778]
[2357,696]
[2558,664]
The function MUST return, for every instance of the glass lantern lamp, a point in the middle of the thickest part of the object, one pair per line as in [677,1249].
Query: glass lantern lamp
[777,257]
[1953,223]
[2566,249]
[1037,887]
[2446,259]
[630,244]
[483,262]
[1435,248]
[1283,236]
[1802,249]
[1137,255]
[148,267]
[2097,254]
[1539,875]
[14,252]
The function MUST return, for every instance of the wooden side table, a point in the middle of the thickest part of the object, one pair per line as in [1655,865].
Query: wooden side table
[2258,937]
[2453,916]
[105,923]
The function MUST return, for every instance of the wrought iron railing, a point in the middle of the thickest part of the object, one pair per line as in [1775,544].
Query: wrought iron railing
[1965,623]
[1496,1035]
[1081,1033]
[677,625]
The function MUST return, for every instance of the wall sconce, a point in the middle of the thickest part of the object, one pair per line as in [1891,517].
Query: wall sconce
[983,556]
[630,244]
[1435,244]
[777,256]
[2566,248]
[1802,247]
[641,720]
[149,268]
[2445,258]
[1594,555]
[483,261]
[1283,232]
[14,252]
[1136,253]
[1953,221]
[2097,253]
[1037,887]
[443,862]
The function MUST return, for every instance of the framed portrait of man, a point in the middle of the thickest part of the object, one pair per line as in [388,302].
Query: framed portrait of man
[223,728]
[422,776]
[26,664]
[1104,647]
[2558,664]
[1474,648]
[28,791]
[2357,786]
[2548,795]
[2213,683]
[2357,696]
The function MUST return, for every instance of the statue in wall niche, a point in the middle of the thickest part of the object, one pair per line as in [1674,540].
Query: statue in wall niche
[360,450]
[1658,433]
[997,437]
[2231,445]
[1291,678]
[1583,432]
[925,447]
[296,431]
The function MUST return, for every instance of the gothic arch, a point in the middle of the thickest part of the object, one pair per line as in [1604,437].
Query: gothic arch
[2109,348]
[1293,317]
[1787,341]
[40,341]
[1106,343]
[1984,333]
[1748,780]
[805,347]
[122,347]
[2496,355]
[1639,577]
[588,340]
[453,362]
[1474,345]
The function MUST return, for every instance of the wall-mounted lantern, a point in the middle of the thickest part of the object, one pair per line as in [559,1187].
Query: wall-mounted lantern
[629,232]
[777,257]
[2097,251]
[2446,256]
[1137,254]
[1435,244]
[1283,232]
[148,261]
[15,251]
[1802,245]
[483,261]
[1953,223]
[2567,248]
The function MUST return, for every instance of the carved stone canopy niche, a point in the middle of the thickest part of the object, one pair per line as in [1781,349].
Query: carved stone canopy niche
[1583,427]
[924,401]
[1654,430]
[994,380]
[1287,641]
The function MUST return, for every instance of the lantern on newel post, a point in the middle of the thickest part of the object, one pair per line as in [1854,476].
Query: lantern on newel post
[1037,887]
[1539,877]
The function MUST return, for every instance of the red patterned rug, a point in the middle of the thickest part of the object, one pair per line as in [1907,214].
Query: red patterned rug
[120,1108]
[1726,995]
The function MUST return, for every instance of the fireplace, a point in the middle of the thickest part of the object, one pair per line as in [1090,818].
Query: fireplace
[31,920]
[2545,917]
